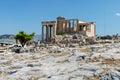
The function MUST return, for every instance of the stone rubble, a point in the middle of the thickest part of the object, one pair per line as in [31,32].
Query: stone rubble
[52,62]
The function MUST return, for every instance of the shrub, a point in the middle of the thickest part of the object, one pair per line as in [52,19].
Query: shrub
[61,33]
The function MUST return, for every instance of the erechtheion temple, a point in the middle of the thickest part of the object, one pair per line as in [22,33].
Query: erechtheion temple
[69,26]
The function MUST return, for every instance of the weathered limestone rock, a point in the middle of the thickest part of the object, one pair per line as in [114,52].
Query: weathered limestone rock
[111,75]
[63,63]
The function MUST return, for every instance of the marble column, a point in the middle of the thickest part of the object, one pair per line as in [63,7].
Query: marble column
[47,33]
[65,26]
[42,33]
[54,31]
[62,26]
[77,28]
[50,32]
[73,26]
[69,26]
[85,27]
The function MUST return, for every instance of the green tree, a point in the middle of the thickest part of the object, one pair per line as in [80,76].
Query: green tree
[23,37]
[61,33]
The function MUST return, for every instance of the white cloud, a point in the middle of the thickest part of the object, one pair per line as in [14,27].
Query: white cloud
[117,14]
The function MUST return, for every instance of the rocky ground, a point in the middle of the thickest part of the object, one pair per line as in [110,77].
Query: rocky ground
[93,62]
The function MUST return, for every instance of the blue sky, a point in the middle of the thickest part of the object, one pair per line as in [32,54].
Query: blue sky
[16,15]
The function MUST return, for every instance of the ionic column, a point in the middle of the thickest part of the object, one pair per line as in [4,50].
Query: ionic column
[69,26]
[77,29]
[73,26]
[47,33]
[42,33]
[50,32]
[62,26]
[54,32]
[65,26]
[85,27]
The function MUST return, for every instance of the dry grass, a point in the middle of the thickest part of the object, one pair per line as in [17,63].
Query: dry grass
[94,59]
[32,58]
[34,78]
[108,61]
[91,78]
[43,76]
[86,78]
[105,70]
[60,54]
[85,50]
[115,62]
[7,63]
[63,61]
[3,74]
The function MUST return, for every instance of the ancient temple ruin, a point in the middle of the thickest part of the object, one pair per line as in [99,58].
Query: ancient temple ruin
[69,26]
